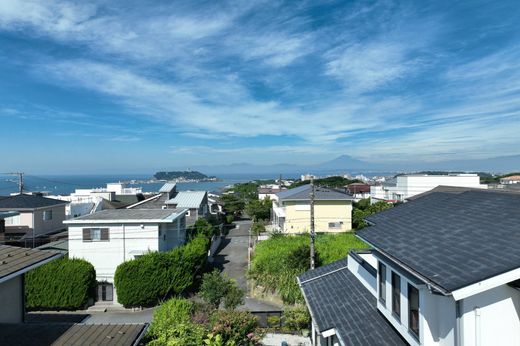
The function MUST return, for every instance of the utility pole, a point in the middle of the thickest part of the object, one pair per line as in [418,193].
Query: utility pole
[20,180]
[313,233]
[280,183]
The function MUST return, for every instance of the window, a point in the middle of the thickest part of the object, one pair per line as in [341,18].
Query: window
[335,225]
[12,220]
[47,215]
[382,283]
[95,234]
[396,295]
[413,310]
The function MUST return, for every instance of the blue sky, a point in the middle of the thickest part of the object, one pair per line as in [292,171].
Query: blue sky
[134,86]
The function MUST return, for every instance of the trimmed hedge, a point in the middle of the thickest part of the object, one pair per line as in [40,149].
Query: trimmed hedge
[150,278]
[63,284]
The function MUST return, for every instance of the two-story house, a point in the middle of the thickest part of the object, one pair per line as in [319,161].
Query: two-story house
[332,210]
[110,237]
[36,216]
[444,269]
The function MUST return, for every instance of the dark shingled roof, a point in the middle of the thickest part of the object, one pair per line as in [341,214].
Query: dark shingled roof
[302,193]
[111,215]
[15,260]
[451,239]
[27,202]
[337,299]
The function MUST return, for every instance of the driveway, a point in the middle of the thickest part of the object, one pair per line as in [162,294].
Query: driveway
[231,259]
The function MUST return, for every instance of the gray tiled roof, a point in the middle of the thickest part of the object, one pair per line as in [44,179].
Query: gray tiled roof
[338,300]
[302,193]
[102,334]
[154,202]
[451,239]
[15,260]
[110,215]
[27,202]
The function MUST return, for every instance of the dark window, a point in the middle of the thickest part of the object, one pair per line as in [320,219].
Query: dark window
[396,294]
[47,215]
[95,234]
[413,310]
[382,282]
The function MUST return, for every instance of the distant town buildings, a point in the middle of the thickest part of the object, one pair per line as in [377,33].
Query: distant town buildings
[358,191]
[405,186]
[332,210]
[513,179]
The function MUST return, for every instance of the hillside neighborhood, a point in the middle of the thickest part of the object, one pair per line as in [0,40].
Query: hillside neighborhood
[419,261]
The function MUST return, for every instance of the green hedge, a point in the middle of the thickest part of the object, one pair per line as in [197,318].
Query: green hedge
[63,284]
[148,279]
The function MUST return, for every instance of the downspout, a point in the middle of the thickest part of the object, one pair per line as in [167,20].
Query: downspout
[124,243]
[458,323]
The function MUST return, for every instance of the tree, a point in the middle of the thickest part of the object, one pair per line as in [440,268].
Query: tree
[233,204]
[202,227]
[259,209]
[257,228]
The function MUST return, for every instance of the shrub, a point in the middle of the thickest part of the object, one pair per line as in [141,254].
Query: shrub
[217,287]
[230,218]
[273,321]
[296,317]
[239,327]
[202,227]
[181,334]
[170,313]
[63,284]
[333,247]
[151,277]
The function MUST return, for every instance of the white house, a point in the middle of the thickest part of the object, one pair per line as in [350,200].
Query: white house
[110,237]
[513,179]
[405,186]
[444,269]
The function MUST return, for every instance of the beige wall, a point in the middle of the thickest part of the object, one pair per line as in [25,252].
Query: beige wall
[56,224]
[11,300]
[297,216]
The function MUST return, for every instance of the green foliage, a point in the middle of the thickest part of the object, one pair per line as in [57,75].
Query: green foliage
[259,209]
[202,227]
[246,191]
[274,321]
[192,175]
[170,313]
[363,210]
[151,277]
[233,204]
[237,327]
[216,287]
[278,260]
[296,317]
[332,182]
[230,218]
[257,228]
[63,284]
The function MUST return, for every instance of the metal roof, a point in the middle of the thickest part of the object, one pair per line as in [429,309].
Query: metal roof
[168,187]
[102,334]
[27,202]
[128,215]
[451,240]
[18,260]
[338,300]
[188,199]
[302,193]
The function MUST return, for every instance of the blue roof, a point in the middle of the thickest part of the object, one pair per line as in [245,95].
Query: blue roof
[302,193]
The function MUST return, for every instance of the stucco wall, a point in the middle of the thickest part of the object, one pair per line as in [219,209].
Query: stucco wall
[297,216]
[56,224]
[11,300]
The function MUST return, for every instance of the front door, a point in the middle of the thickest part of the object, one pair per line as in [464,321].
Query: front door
[105,291]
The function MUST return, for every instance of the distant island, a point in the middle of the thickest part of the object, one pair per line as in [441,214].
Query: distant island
[191,176]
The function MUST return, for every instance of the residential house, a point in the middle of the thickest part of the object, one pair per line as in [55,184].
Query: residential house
[332,210]
[406,186]
[358,191]
[444,269]
[268,192]
[110,237]
[15,262]
[168,197]
[37,216]
[513,179]
[195,201]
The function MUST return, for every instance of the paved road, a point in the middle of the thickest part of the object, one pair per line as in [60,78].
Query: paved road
[232,260]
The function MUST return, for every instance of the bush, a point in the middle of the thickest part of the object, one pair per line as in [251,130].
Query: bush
[296,318]
[63,284]
[217,287]
[151,277]
[170,313]
[202,227]
[234,326]
[333,247]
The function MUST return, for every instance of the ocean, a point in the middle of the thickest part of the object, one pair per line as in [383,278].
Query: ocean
[66,184]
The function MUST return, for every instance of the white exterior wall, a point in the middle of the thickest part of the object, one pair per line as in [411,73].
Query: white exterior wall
[362,275]
[492,317]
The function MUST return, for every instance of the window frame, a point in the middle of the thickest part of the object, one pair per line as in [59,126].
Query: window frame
[381,268]
[46,214]
[88,234]
[396,295]
[411,330]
